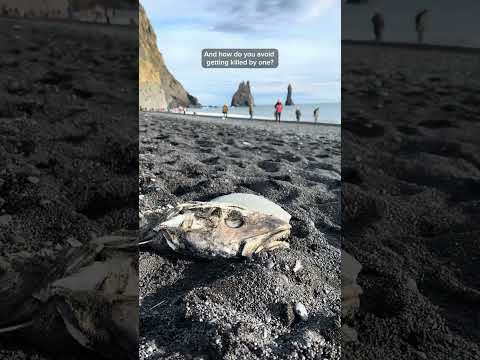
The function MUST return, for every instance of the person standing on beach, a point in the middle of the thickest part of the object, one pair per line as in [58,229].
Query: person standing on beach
[378,25]
[278,110]
[298,114]
[250,110]
[70,11]
[421,24]
[315,114]
[225,112]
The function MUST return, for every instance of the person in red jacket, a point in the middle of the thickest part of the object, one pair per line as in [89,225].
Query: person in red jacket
[278,110]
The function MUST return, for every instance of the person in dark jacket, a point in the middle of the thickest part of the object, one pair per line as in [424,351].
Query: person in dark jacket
[298,114]
[421,24]
[378,25]
[315,113]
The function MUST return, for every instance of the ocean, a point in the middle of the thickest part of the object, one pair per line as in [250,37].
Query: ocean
[329,112]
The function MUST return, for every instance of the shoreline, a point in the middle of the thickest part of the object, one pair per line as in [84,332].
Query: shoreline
[213,117]
[412,46]
[62,21]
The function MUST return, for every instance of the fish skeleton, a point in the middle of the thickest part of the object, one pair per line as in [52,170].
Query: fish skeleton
[211,230]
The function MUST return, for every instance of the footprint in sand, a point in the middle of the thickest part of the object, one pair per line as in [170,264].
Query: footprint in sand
[323,166]
[268,166]
[322,155]
[364,129]
[162,137]
[437,124]
[240,164]
[235,155]
[205,143]
[289,157]
[211,160]
[408,130]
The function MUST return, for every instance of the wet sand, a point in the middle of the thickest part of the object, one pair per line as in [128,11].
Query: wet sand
[241,309]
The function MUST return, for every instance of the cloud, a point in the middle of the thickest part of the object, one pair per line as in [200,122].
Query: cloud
[266,15]
[246,16]
[306,33]
[232,27]
[313,68]
[261,9]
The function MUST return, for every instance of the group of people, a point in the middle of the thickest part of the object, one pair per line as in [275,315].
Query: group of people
[278,111]
[378,22]
[225,111]
[298,114]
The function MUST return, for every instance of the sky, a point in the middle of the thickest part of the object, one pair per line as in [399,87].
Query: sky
[306,33]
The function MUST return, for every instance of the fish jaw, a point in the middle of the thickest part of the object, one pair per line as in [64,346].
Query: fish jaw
[267,242]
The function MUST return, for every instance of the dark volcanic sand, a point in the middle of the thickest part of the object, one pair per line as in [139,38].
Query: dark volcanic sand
[68,149]
[238,309]
[411,173]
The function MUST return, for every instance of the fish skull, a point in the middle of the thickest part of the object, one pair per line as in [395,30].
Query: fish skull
[221,230]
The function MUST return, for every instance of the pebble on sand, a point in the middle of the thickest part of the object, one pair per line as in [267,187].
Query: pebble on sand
[298,266]
[5,220]
[33,179]
[74,242]
[301,311]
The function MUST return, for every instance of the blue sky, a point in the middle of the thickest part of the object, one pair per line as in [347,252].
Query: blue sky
[306,32]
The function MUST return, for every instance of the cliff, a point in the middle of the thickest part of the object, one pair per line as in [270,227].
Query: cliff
[158,88]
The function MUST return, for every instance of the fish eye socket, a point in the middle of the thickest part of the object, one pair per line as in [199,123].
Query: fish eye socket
[234,220]
[217,212]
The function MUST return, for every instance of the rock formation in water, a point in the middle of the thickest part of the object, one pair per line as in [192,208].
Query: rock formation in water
[243,96]
[158,88]
[289,101]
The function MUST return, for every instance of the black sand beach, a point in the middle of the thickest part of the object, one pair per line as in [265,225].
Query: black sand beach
[68,160]
[242,309]
[411,187]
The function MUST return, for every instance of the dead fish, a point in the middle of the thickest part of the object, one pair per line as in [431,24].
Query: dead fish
[92,292]
[213,229]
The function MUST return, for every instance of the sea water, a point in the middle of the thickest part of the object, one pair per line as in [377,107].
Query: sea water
[328,112]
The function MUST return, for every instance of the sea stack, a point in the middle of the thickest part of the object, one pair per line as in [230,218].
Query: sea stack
[243,96]
[289,101]
[158,88]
